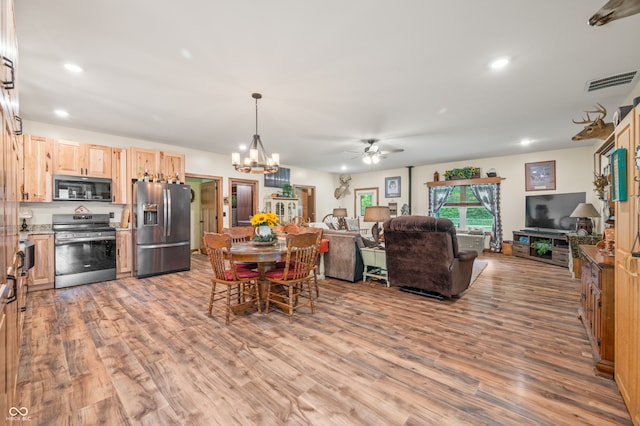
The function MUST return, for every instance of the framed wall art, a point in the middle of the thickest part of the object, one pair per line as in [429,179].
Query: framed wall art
[364,197]
[393,209]
[392,187]
[540,176]
[618,162]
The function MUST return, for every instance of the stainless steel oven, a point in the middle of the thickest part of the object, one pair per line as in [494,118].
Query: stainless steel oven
[85,249]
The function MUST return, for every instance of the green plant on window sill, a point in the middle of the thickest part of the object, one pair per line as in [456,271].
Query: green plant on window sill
[463,173]
[542,246]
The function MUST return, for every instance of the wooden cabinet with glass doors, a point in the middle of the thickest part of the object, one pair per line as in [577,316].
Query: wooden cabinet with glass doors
[285,208]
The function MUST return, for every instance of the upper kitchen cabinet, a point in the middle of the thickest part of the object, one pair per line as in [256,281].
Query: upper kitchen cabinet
[37,167]
[172,165]
[9,64]
[120,180]
[143,160]
[156,163]
[78,159]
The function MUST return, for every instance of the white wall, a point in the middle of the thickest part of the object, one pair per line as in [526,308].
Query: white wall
[574,173]
[196,162]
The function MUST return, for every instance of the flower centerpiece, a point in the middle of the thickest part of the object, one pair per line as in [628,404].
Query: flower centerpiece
[263,223]
[462,173]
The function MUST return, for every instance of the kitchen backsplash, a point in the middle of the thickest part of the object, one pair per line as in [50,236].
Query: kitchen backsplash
[42,212]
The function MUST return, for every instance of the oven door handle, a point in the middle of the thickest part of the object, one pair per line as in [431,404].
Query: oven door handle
[67,241]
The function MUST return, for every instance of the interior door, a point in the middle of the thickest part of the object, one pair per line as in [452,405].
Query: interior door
[307,206]
[209,207]
[244,201]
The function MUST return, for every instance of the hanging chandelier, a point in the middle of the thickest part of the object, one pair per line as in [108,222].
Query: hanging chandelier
[258,161]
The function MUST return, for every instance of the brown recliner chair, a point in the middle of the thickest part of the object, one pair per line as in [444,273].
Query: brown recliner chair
[423,256]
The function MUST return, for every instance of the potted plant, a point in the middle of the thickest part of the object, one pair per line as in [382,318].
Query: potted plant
[542,247]
[287,190]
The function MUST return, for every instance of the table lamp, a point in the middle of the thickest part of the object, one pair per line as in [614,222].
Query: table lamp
[340,213]
[584,212]
[25,214]
[376,214]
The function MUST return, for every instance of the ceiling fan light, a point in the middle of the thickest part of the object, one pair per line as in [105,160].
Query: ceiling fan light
[375,159]
[366,160]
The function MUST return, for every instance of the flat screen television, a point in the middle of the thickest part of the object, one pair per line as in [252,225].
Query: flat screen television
[277,179]
[552,211]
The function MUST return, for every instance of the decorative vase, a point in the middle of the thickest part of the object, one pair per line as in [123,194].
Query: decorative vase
[264,234]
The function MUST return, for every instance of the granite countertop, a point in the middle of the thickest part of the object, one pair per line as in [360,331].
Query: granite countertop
[47,229]
[37,229]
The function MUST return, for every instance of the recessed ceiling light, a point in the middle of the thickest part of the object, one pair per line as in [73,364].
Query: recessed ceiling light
[525,142]
[343,168]
[499,63]
[73,68]
[61,113]
[242,147]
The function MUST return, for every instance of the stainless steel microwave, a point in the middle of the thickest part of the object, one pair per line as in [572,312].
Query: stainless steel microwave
[74,188]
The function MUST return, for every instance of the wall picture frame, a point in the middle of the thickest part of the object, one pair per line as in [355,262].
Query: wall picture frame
[393,209]
[540,176]
[363,198]
[392,187]
[618,162]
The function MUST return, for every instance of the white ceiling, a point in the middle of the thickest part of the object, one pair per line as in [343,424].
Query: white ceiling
[412,73]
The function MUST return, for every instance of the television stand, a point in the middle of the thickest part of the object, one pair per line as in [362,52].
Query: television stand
[548,247]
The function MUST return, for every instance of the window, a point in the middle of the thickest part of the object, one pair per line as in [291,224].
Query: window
[465,211]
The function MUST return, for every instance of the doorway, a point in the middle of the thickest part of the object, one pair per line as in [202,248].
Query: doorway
[206,207]
[243,197]
[307,206]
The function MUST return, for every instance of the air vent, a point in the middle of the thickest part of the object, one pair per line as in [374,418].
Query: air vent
[614,80]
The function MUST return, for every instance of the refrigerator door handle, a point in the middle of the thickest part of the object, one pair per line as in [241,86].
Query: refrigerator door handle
[169,210]
[166,210]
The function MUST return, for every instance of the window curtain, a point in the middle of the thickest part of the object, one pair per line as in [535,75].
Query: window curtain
[437,197]
[489,197]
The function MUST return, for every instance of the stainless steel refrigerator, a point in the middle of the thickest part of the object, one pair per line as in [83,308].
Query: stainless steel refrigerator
[161,228]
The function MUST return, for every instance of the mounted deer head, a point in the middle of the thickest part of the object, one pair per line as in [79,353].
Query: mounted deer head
[614,9]
[595,129]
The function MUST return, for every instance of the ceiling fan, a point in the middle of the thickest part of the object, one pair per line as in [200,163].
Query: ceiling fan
[373,152]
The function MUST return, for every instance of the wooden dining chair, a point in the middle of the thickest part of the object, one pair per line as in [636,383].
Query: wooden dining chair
[311,229]
[240,285]
[290,287]
[241,234]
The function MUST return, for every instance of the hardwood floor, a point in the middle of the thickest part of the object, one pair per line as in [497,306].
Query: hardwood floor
[510,351]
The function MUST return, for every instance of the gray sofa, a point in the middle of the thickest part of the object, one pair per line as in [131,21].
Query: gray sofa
[343,261]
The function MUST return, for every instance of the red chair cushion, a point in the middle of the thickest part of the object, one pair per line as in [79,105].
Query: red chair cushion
[278,274]
[324,246]
[242,274]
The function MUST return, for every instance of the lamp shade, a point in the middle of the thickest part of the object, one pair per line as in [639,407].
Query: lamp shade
[585,210]
[376,214]
[340,212]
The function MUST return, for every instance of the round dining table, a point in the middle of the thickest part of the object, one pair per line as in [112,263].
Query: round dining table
[265,256]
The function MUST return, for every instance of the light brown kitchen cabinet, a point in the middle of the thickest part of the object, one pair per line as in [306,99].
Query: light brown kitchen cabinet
[172,165]
[143,159]
[161,163]
[42,275]
[124,254]
[37,164]
[120,180]
[79,159]
[10,163]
